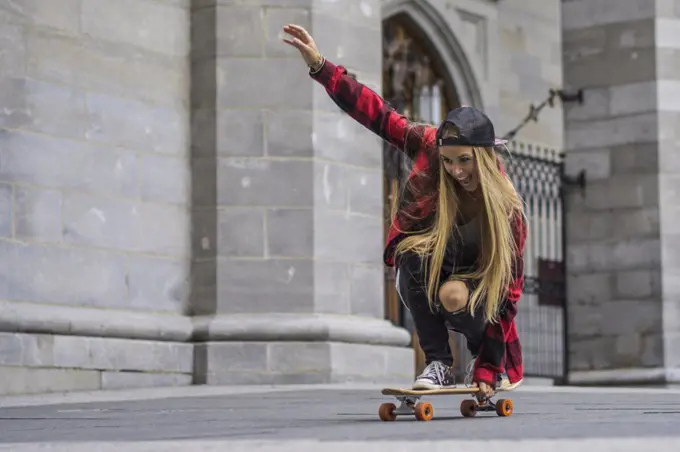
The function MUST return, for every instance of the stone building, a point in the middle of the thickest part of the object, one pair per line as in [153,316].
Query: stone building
[180,204]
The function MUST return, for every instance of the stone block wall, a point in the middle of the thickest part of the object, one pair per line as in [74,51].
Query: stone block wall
[623,249]
[288,200]
[179,199]
[180,203]
[668,98]
[529,65]
[94,194]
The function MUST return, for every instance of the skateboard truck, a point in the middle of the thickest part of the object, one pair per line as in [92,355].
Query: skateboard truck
[408,405]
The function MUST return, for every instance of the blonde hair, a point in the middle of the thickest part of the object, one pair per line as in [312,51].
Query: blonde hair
[497,251]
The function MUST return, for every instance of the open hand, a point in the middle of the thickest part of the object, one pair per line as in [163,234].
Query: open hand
[302,41]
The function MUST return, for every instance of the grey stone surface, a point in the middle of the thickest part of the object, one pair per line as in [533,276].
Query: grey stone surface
[36,273]
[364,291]
[519,31]
[56,275]
[60,14]
[136,125]
[290,233]
[584,13]
[265,156]
[235,37]
[636,158]
[13,60]
[347,416]
[597,163]
[668,160]
[289,134]
[288,213]
[300,363]
[6,215]
[300,328]
[240,133]
[164,179]
[91,353]
[37,160]
[264,182]
[668,62]
[638,284]
[623,192]
[42,107]
[331,182]
[241,232]
[76,320]
[25,380]
[332,285]
[346,41]
[146,181]
[286,90]
[158,284]
[125,225]
[624,255]
[618,270]
[340,236]
[338,138]
[614,67]
[203,183]
[37,214]
[104,66]
[128,380]
[165,29]
[265,285]
[613,131]
[365,192]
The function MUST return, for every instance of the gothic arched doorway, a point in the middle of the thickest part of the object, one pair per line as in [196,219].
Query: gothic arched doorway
[415,82]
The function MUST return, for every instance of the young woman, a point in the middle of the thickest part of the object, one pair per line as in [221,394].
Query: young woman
[458,236]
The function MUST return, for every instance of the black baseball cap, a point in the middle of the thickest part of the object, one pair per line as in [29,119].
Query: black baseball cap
[474,129]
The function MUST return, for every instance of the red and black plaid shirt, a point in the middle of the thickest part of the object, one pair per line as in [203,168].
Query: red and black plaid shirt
[501,349]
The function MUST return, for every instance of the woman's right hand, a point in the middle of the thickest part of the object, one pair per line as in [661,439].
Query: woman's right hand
[305,44]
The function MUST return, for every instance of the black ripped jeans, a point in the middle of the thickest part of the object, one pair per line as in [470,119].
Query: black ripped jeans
[432,327]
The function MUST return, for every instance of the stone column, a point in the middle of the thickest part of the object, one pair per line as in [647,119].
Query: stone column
[623,236]
[94,191]
[288,276]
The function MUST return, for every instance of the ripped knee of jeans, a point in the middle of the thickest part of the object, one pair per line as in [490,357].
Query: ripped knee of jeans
[454,296]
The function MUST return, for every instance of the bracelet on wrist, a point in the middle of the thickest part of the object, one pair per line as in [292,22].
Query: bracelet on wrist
[317,65]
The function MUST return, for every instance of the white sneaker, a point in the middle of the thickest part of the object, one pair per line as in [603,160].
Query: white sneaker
[502,384]
[505,385]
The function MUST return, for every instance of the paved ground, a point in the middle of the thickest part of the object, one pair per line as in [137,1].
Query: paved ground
[334,414]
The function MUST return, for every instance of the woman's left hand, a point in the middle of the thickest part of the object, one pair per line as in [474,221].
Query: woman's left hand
[484,389]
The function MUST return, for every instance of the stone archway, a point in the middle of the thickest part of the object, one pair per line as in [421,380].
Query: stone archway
[437,33]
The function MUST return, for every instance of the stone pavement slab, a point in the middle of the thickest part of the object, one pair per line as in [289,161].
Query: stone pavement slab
[298,418]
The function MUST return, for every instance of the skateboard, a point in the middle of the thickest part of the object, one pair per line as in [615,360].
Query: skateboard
[423,411]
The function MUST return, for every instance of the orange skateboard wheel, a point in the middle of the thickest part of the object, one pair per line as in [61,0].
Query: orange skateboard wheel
[504,407]
[424,411]
[387,412]
[468,408]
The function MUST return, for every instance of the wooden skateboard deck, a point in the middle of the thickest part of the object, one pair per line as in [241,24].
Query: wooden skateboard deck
[423,411]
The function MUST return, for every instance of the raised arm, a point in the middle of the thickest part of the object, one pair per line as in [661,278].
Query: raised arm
[370,110]
[357,100]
